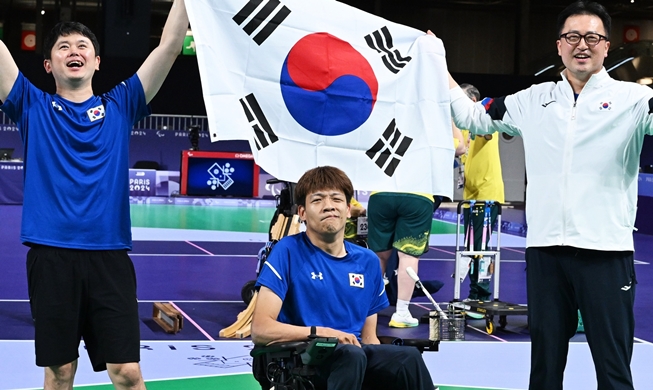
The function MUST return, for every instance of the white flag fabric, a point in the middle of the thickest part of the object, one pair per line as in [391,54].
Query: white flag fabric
[316,82]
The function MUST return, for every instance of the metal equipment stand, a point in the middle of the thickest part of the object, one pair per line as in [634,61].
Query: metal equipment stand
[494,307]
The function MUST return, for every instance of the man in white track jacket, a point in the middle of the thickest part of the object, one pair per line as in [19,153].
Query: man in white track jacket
[582,138]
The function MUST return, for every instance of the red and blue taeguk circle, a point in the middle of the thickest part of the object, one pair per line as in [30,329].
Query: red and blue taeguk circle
[328,87]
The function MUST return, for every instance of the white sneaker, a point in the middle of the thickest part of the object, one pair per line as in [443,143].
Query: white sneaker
[403,321]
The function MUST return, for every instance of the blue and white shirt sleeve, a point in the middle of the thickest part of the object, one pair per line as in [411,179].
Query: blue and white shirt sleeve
[275,271]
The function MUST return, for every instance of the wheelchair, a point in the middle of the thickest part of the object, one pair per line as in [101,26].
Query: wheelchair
[293,365]
[285,221]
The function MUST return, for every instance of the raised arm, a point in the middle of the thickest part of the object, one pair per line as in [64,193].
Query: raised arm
[452,83]
[472,116]
[157,65]
[266,329]
[8,72]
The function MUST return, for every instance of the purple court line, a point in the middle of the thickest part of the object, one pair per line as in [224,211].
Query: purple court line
[208,336]
[514,250]
[442,250]
[199,247]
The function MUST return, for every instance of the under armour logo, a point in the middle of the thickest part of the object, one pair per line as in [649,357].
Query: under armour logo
[628,286]
[546,104]
[317,276]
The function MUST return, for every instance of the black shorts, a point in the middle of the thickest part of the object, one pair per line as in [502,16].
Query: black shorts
[77,294]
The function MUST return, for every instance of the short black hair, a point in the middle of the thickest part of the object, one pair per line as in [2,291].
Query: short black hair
[63,29]
[585,8]
[471,91]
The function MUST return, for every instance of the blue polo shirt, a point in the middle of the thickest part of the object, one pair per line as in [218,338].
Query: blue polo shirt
[322,290]
[76,164]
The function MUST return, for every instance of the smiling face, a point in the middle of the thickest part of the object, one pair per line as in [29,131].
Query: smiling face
[73,60]
[582,60]
[325,213]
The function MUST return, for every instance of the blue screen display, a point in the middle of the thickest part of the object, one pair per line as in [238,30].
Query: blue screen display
[220,177]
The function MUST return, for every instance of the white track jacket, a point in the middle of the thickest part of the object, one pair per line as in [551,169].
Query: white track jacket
[582,157]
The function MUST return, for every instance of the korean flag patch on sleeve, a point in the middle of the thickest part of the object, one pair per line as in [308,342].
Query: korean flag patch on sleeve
[356,280]
[96,113]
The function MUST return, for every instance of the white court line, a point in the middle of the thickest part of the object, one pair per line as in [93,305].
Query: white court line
[185,255]
[140,301]
[254,256]
[642,341]
[186,301]
[452,260]
[164,234]
[642,262]
[638,262]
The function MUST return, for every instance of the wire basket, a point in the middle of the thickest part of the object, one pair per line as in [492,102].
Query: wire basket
[451,329]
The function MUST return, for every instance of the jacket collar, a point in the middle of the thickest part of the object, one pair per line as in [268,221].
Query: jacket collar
[595,81]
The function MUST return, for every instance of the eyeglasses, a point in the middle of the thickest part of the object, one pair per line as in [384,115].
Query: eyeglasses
[592,39]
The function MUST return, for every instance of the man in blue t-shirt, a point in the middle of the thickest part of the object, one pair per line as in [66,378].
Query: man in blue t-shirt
[316,283]
[81,281]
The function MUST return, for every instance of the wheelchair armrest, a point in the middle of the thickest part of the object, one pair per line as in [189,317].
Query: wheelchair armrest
[421,344]
[312,351]
[286,346]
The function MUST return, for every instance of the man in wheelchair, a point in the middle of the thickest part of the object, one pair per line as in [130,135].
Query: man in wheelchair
[315,284]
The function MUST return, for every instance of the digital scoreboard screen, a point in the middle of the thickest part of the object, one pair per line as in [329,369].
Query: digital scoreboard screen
[218,174]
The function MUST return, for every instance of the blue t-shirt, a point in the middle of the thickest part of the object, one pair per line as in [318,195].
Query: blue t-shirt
[322,290]
[76,164]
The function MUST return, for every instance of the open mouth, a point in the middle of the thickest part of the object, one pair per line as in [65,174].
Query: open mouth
[75,64]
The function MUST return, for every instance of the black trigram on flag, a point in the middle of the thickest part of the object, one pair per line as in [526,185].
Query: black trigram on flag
[381,41]
[262,130]
[389,149]
[261,18]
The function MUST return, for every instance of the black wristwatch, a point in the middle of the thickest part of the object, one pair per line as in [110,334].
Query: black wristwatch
[313,332]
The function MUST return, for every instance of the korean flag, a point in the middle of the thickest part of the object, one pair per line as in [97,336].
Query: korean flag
[316,82]
[95,113]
